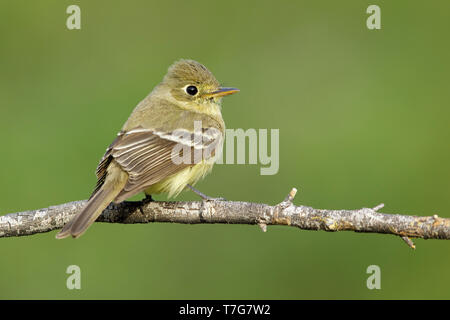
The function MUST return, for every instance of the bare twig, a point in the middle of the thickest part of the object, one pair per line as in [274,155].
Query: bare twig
[409,242]
[284,213]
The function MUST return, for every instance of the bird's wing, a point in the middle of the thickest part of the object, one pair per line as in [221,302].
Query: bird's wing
[149,156]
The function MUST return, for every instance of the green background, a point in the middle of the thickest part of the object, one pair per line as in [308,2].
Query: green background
[363,118]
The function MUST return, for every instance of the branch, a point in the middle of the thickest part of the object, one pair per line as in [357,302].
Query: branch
[284,213]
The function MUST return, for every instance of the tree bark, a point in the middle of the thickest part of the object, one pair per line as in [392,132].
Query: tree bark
[235,212]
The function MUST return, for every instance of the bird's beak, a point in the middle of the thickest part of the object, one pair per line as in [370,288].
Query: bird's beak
[221,92]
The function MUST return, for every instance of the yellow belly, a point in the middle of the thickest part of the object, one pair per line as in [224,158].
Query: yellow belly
[175,183]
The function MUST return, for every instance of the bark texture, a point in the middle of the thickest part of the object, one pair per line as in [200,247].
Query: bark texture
[235,212]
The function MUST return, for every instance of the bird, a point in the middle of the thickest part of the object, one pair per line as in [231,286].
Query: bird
[170,141]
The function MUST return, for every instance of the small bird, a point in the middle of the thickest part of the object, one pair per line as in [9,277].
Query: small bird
[170,141]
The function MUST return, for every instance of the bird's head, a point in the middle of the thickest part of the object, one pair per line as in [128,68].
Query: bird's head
[190,81]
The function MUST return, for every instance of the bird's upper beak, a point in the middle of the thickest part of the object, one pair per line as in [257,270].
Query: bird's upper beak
[221,92]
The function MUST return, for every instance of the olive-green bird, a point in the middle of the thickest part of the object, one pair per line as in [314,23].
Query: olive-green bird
[171,140]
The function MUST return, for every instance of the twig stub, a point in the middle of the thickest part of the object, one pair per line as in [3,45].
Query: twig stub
[235,212]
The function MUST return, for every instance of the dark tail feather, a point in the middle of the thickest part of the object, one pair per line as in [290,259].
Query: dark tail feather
[97,203]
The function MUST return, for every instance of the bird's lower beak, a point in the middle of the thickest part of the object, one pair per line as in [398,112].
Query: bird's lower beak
[221,92]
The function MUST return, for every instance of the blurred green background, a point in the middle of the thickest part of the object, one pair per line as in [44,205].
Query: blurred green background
[363,118]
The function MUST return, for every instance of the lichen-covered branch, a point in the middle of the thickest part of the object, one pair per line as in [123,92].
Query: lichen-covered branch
[284,213]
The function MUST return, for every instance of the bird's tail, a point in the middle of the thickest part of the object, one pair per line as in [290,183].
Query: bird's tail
[95,206]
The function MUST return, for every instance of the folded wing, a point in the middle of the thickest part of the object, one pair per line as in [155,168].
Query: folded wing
[149,156]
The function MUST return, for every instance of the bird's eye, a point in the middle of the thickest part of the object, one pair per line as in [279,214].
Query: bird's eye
[192,90]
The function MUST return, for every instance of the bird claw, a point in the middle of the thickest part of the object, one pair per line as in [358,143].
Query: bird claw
[204,196]
[148,198]
[213,199]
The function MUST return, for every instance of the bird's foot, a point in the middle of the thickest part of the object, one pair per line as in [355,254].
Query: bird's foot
[214,199]
[148,198]
[204,196]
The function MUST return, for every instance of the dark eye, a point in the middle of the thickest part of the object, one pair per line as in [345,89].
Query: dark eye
[192,90]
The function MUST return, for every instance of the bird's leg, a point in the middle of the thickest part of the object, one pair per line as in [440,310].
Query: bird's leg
[204,196]
[148,198]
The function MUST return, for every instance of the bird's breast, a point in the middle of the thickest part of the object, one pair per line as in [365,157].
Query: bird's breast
[175,183]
